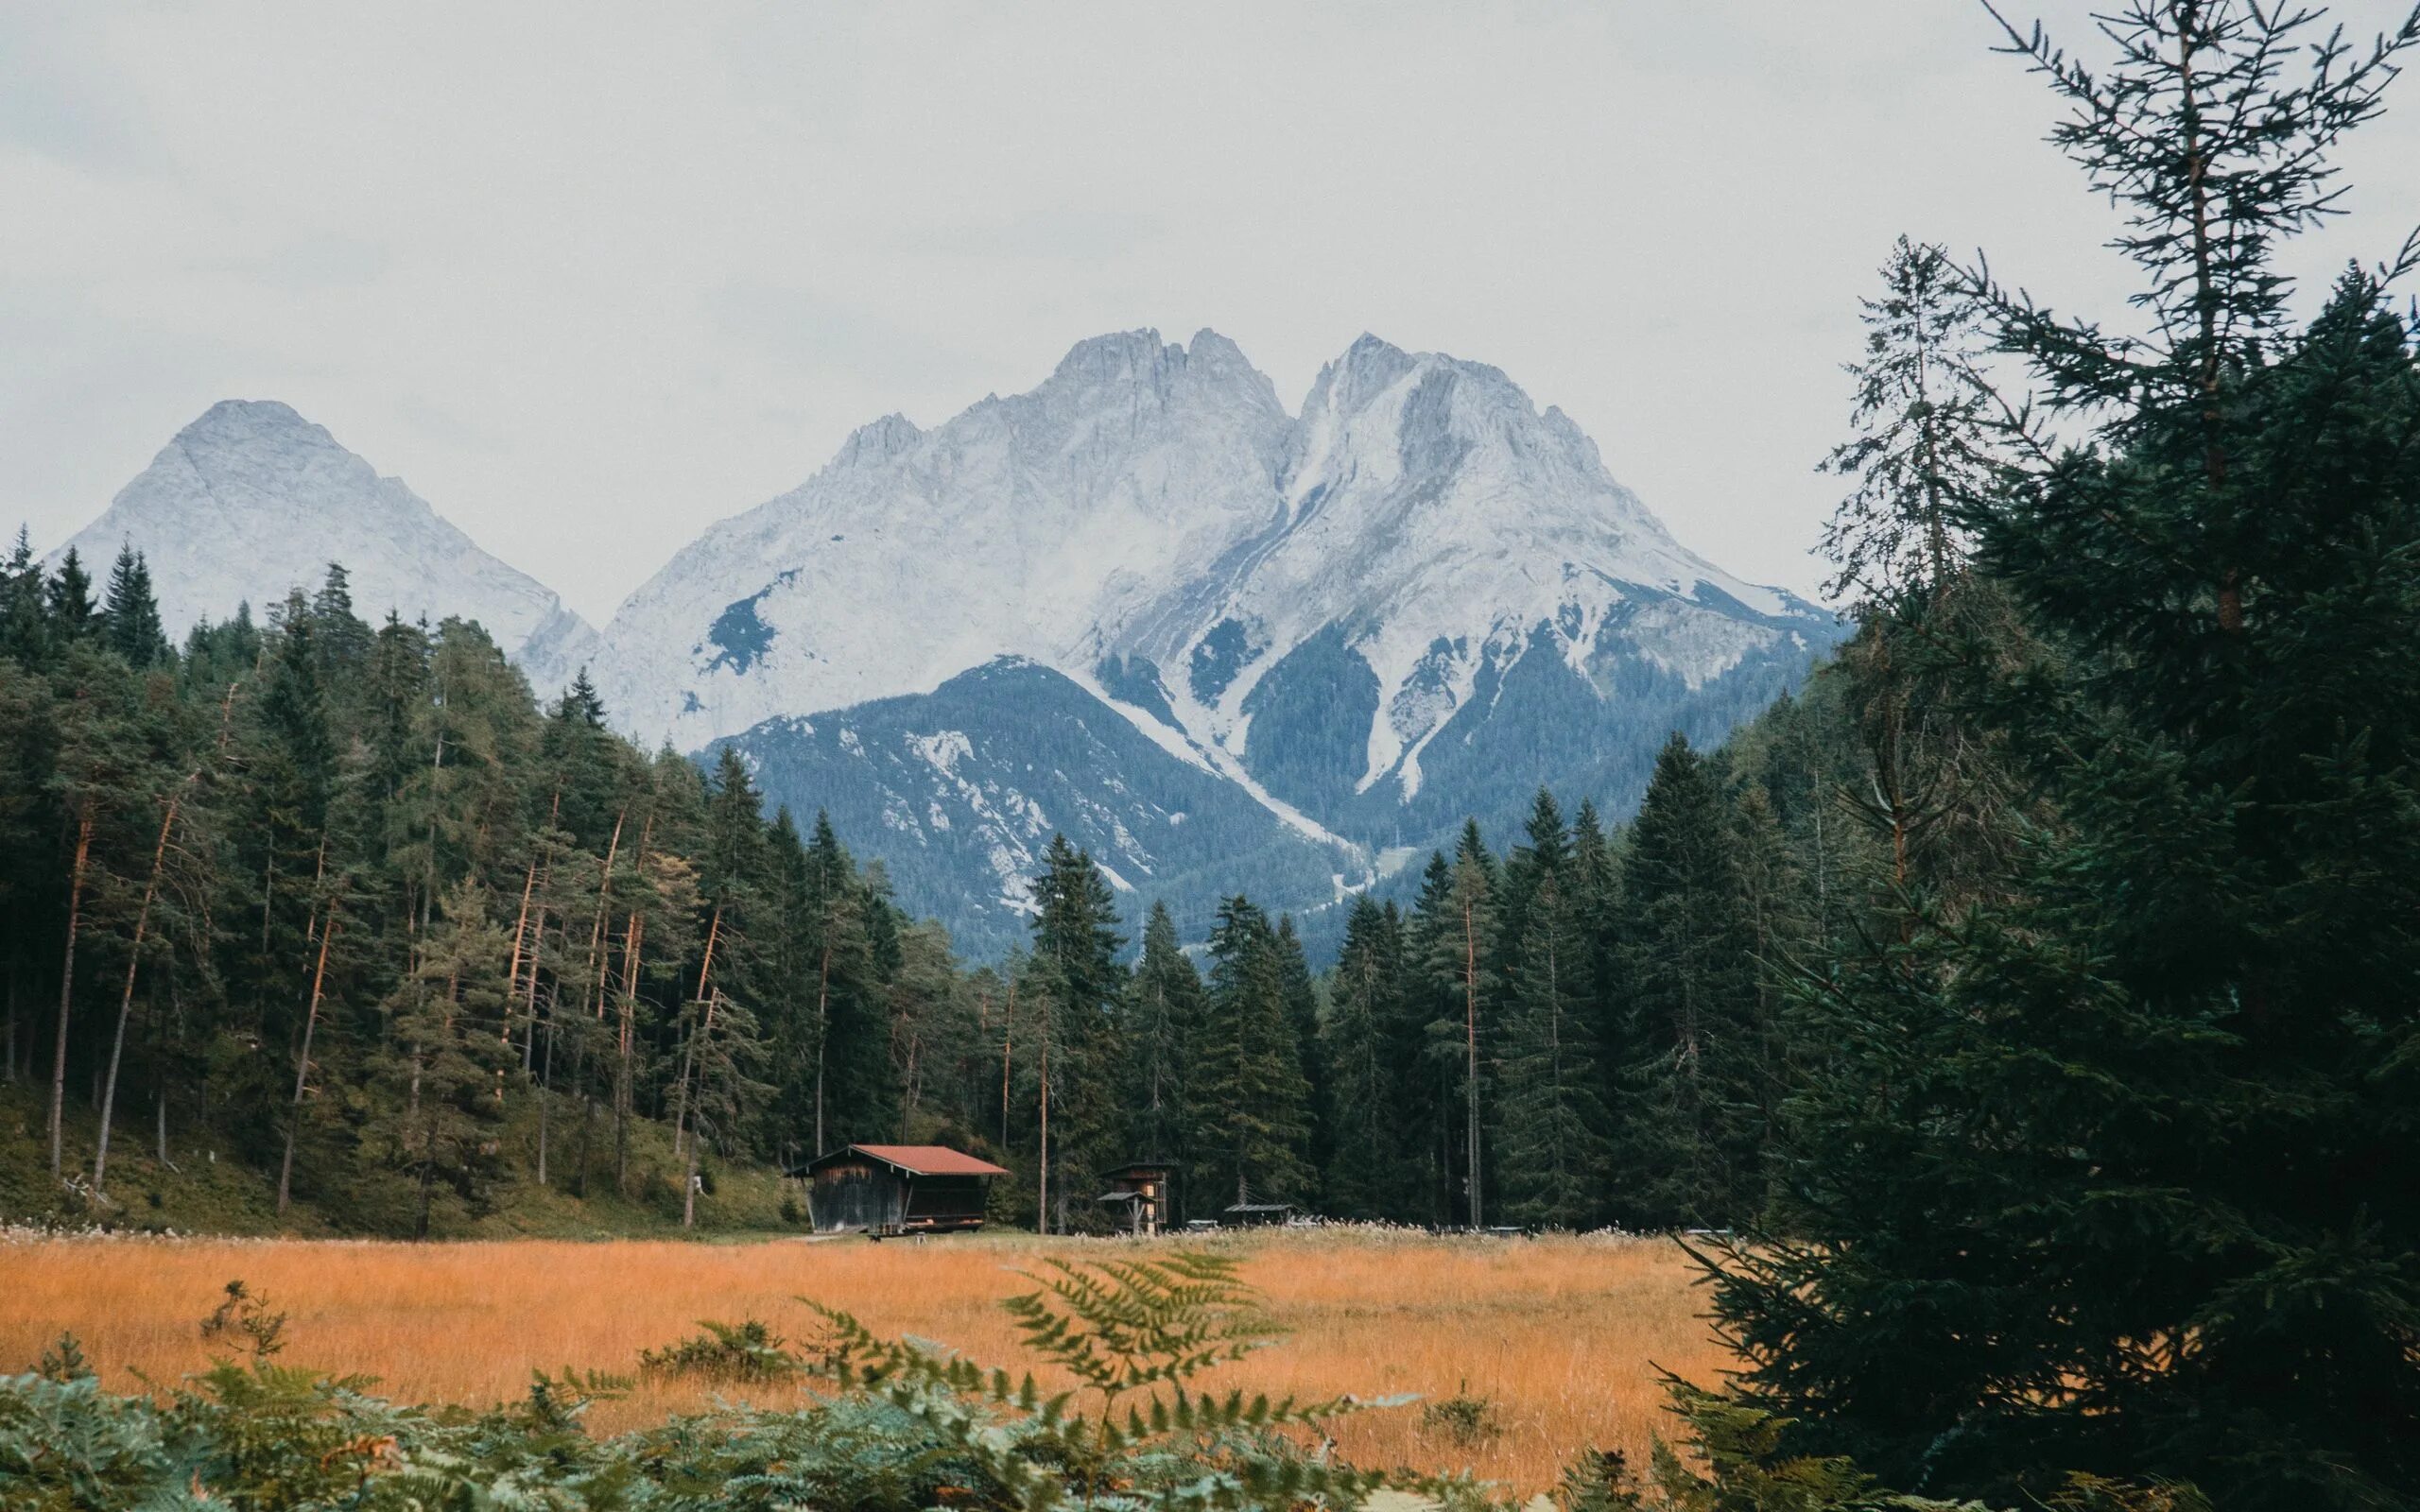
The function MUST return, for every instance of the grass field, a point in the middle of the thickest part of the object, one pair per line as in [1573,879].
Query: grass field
[1564,1336]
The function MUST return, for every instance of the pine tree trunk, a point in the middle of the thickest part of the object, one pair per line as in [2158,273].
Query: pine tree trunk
[126,998]
[1041,1186]
[1470,990]
[545,1100]
[689,1190]
[823,1030]
[690,1043]
[587,1112]
[427,1167]
[67,987]
[1007,1043]
[623,1069]
[302,1066]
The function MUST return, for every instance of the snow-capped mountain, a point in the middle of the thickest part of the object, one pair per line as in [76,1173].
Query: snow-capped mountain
[1019,528]
[959,791]
[252,500]
[1417,599]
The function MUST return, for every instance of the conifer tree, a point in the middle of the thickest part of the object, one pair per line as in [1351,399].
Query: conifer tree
[67,605]
[1084,991]
[450,1060]
[1251,1103]
[1165,1024]
[24,635]
[1690,1130]
[1459,950]
[1552,1147]
[2097,1172]
[130,616]
[1368,1174]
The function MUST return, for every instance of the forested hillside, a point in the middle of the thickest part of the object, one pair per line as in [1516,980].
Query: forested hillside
[346,907]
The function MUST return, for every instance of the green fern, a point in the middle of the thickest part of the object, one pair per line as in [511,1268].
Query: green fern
[1118,1327]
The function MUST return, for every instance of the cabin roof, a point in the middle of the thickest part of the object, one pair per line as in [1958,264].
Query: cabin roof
[915,1159]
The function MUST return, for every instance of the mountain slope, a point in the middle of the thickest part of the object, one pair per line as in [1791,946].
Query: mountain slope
[1015,529]
[252,500]
[959,791]
[1419,599]
[1381,656]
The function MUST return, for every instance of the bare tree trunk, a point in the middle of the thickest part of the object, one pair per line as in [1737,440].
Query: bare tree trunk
[1041,1186]
[303,1067]
[1470,999]
[822,1028]
[126,998]
[1007,1042]
[67,985]
[689,1043]
[689,1189]
[546,1096]
[624,1072]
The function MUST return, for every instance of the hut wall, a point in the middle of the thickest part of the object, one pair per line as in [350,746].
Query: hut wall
[855,1195]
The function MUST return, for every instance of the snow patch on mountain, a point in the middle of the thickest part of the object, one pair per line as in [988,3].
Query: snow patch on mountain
[1152,524]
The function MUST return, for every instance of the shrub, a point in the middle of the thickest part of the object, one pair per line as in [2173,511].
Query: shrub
[725,1352]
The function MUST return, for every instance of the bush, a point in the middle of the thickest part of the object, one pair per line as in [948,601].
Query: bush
[725,1352]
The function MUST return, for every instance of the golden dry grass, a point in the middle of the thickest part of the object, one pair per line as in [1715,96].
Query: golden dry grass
[1564,1334]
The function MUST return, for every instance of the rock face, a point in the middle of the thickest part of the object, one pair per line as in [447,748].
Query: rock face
[959,791]
[1223,646]
[1419,599]
[252,500]
[1019,528]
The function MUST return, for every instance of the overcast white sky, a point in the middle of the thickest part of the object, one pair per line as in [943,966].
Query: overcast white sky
[589,277]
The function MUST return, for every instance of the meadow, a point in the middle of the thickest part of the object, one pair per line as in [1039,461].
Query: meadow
[1562,1338]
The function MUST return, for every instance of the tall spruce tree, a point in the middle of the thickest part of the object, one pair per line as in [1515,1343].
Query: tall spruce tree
[1082,989]
[2111,1173]
[1553,1141]
[1165,1025]
[131,614]
[1690,1130]
[1251,1101]
[1367,1174]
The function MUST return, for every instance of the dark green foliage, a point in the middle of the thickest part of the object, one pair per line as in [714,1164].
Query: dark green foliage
[745,1353]
[1689,1086]
[2101,1158]
[1078,990]
[1369,1063]
[1164,1025]
[130,614]
[1554,1155]
[410,950]
[1251,1102]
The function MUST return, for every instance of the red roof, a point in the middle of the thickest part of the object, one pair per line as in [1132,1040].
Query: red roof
[930,1160]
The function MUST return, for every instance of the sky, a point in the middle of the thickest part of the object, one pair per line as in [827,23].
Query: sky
[591,276]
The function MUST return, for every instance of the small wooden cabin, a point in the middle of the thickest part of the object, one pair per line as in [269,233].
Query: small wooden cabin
[1138,1197]
[884,1190]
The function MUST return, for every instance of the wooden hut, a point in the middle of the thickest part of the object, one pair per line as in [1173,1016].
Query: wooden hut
[1137,1198]
[883,1190]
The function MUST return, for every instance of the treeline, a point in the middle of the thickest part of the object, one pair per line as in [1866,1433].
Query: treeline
[345,904]
[348,904]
